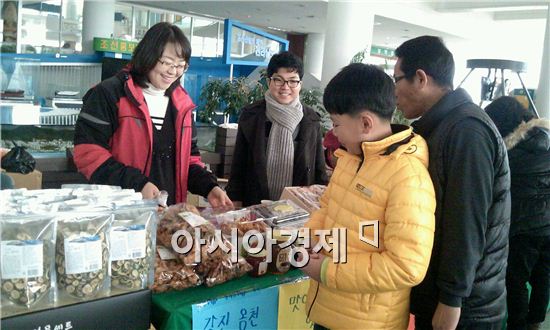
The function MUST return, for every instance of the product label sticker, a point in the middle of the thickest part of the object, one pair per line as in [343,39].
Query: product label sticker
[83,254]
[22,259]
[165,254]
[193,219]
[128,242]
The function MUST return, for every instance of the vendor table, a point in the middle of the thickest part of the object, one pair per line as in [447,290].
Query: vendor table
[173,310]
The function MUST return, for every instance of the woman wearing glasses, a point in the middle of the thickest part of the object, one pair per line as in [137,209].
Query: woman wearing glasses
[135,129]
[278,141]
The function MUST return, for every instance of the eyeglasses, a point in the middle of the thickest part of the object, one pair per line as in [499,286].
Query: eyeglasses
[397,78]
[279,82]
[169,65]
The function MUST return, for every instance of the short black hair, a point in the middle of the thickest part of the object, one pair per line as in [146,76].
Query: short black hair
[149,50]
[359,87]
[285,60]
[427,53]
[507,114]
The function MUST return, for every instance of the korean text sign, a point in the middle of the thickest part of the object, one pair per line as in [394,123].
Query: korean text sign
[250,310]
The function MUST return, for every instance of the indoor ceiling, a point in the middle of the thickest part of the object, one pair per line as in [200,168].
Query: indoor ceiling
[310,16]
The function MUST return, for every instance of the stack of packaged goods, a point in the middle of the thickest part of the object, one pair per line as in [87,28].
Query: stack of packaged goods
[305,197]
[83,242]
[191,251]
[78,243]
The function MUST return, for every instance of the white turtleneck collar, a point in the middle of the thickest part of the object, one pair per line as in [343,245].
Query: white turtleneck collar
[152,90]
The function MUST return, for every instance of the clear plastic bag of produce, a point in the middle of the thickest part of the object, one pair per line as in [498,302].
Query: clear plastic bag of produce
[182,225]
[226,270]
[132,239]
[27,256]
[82,253]
[171,273]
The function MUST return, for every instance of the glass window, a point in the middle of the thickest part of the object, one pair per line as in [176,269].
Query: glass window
[205,38]
[219,51]
[154,18]
[184,23]
[123,22]
[40,27]
[141,21]
[71,26]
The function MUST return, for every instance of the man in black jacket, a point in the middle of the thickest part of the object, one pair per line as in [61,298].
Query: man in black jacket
[527,139]
[465,284]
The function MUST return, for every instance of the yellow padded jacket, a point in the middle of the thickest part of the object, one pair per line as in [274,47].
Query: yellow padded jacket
[389,184]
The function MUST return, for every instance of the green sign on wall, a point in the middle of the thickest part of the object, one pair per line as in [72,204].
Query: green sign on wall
[382,51]
[114,45]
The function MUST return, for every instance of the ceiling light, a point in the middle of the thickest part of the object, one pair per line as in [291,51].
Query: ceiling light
[276,29]
[377,23]
[510,8]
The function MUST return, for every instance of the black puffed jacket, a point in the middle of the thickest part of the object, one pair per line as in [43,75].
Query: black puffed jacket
[529,156]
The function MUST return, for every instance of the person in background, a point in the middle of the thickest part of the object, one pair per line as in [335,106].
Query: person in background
[279,141]
[465,284]
[382,176]
[136,130]
[527,139]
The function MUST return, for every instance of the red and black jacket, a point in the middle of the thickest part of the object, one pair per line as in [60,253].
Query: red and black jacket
[114,139]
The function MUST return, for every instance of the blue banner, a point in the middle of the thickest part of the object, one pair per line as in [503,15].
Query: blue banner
[250,310]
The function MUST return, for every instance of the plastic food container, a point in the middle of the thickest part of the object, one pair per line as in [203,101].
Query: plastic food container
[258,262]
[282,211]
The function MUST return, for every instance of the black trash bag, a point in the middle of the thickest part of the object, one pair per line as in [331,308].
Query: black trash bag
[18,160]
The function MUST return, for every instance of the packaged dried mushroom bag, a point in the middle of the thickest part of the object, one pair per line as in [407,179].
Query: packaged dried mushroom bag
[82,253]
[132,241]
[27,258]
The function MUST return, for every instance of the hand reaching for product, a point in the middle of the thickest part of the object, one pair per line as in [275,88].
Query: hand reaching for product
[150,191]
[218,199]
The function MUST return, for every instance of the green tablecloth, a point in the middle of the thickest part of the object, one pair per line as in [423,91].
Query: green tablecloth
[172,310]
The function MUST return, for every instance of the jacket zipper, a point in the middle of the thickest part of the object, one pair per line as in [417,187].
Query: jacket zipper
[313,301]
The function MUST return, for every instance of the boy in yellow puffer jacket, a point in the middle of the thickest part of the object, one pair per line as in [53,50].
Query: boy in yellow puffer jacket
[381,176]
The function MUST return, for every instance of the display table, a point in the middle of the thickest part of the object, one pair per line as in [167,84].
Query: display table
[173,310]
[128,310]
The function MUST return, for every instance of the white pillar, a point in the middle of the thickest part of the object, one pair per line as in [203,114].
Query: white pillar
[542,101]
[349,30]
[98,20]
[313,54]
